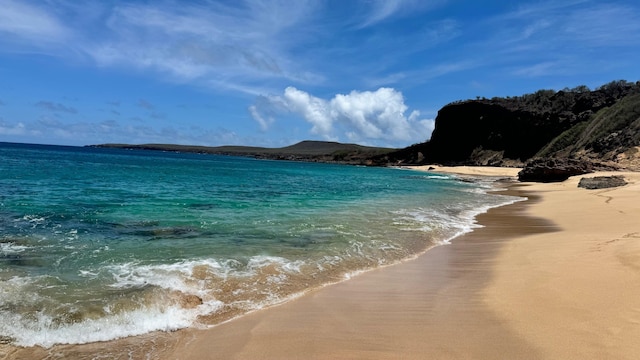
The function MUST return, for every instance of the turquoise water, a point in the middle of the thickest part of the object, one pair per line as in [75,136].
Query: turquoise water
[97,244]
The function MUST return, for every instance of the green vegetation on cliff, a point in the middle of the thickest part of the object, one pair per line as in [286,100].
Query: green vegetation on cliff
[576,123]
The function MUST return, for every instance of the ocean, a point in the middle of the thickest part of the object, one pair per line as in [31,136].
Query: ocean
[98,244]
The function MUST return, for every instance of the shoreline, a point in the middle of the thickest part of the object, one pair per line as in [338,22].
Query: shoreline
[476,171]
[454,301]
[387,312]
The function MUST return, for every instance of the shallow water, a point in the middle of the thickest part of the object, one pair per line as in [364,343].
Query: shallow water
[97,244]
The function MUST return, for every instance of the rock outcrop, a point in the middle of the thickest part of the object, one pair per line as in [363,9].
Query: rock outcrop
[553,170]
[602,182]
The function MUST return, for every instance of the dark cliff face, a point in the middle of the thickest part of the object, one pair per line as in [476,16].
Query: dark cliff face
[465,131]
[510,131]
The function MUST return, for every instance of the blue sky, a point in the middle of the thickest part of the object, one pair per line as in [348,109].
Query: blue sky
[274,72]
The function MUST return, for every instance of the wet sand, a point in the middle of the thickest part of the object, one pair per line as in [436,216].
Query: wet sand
[555,277]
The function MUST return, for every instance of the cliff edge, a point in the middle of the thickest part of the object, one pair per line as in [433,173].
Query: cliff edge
[600,126]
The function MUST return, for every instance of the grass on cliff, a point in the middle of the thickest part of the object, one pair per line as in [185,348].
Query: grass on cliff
[614,126]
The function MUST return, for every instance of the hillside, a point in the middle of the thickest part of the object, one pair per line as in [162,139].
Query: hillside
[599,126]
[318,151]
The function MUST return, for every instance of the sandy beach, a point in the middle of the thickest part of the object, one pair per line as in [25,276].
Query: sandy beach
[555,277]
[470,170]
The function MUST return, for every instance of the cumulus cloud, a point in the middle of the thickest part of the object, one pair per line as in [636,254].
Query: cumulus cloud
[316,111]
[371,117]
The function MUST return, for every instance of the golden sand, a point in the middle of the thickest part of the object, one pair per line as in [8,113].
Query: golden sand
[470,170]
[575,293]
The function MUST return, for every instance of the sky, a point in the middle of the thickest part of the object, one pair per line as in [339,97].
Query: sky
[274,72]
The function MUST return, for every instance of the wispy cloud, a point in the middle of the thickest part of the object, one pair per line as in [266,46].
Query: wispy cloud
[233,46]
[552,37]
[15,129]
[56,107]
[216,44]
[603,25]
[421,75]
[145,104]
[23,22]
[584,23]
[381,10]
[246,46]
[85,132]
[264,111]
[545,68]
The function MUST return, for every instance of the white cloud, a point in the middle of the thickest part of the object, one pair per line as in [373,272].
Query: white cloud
[12,129]
[604,25]
[540,69]
[264,122]
[235,46]
[221,45]
[51,130]
[30,23]
[244,46]
[370,117]
[381,10]
[563,28]
[56,107]
[315,110]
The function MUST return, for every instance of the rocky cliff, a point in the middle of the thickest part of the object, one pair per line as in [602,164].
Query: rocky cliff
[602,125]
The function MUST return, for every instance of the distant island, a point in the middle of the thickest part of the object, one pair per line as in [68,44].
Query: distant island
[313,151]
[575,129]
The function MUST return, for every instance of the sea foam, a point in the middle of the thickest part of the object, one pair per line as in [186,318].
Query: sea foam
[40,329]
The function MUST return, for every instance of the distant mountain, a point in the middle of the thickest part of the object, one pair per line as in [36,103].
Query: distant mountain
[317,151]
[600,126]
